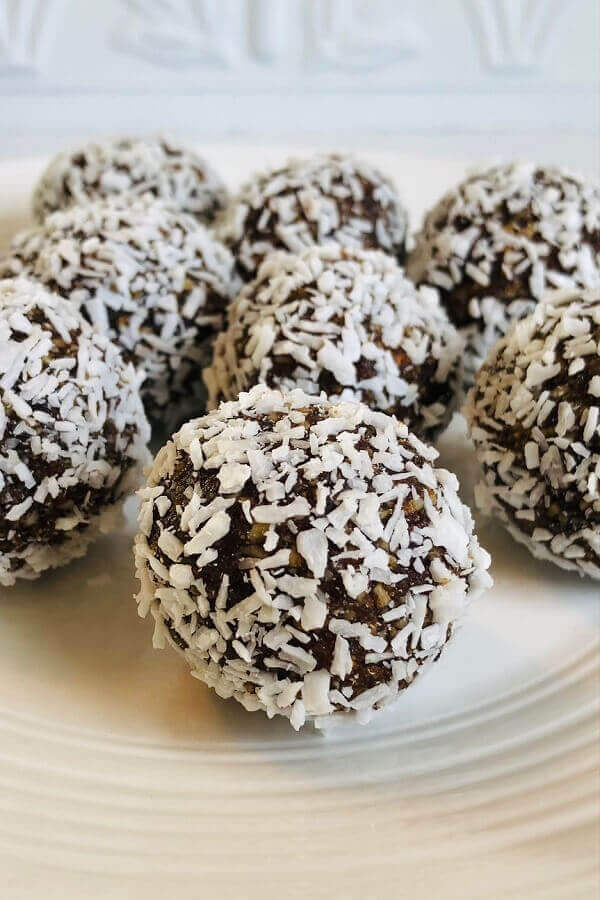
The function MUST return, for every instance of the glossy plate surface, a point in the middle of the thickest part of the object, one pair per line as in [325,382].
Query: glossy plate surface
[121,776]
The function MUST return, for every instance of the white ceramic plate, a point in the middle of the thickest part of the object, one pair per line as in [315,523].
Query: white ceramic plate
[121,776]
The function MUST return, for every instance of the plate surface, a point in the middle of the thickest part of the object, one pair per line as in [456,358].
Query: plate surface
[121,776]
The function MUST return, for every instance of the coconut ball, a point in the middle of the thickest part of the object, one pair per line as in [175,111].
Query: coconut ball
[534,415]
[304,555]
[151,278]
[499,241]
[346,322]
[137,166]
[312,201]
[72,431]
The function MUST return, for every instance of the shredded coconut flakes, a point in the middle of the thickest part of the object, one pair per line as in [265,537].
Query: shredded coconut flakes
[496,244]
[346,322]
[72,431]
[150,277]
[154,166]
[312,201]
[302,627]
[541,469]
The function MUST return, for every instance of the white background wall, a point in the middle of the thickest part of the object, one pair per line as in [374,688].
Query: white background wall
[524,70]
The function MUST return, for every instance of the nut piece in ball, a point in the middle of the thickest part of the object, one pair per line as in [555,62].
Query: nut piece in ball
[502,239]
[534,415]
[346,322]
[151,278]
[152,166]
[305,556]
[312,201]
[72,431]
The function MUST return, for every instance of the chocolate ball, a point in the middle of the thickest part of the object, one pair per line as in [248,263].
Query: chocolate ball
[496,244]
[311,201]
[112,167]
[151,278]
[534,415]
[346,322]
[72,431]
[304,555]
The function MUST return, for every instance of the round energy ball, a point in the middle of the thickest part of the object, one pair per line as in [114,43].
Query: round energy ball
[153,279]
[312,201]
[72,431]
[346,322]
[534,416]
[304,555]
[498,242]
[138,166]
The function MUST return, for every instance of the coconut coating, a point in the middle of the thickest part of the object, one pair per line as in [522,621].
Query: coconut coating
[153,279]
[534,414]
[311,201]
[346,322]
[73,432]
[155,166]
[502,239]
[304,555]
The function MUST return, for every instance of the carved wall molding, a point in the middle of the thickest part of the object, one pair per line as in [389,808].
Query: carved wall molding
[298,65]
[178,34]
[355,34]
[268,27]
[338,34]
[516,35]
[27,30]
[246,37]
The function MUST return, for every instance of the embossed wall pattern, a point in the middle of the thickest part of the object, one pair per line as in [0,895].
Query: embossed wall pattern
[446,50]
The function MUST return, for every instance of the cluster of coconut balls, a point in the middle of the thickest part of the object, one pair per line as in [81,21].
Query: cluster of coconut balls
[297,542]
